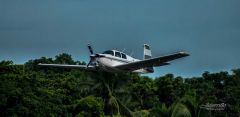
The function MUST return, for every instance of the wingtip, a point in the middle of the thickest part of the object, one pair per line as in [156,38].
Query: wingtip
[184,53]
[39,64]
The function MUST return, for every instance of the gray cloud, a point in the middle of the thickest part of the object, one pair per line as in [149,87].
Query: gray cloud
[209,30]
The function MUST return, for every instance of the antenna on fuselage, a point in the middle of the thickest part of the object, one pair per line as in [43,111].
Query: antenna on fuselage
[123,50]
[131,53]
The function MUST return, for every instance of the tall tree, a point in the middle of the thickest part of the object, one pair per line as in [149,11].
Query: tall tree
[64,58]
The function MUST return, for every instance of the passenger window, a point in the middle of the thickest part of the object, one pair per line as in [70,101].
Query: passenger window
[109,52]
[124,56]
[117,54]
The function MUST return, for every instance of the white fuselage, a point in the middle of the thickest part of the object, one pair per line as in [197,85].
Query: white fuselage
[109,62]
[112,61]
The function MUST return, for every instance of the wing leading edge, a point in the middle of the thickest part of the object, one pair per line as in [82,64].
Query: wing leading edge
[154,62]
[68,66]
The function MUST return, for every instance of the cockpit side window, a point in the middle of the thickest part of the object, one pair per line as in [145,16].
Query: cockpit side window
[124,56]
[117,54]
[109,52]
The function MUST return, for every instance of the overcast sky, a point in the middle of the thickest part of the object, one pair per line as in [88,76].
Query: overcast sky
[207,29]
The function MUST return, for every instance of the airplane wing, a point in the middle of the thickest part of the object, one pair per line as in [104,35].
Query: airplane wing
[90,67]
[153,62]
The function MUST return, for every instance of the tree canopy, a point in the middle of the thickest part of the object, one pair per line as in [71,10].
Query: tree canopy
[30,90]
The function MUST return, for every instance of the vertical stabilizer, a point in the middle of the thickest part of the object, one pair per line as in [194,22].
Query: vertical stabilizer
[147,54]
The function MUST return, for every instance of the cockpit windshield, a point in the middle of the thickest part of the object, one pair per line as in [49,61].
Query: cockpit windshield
[110,52]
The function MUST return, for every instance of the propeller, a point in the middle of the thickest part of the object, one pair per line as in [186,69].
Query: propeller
[90,49]
[91,60]
[93,56]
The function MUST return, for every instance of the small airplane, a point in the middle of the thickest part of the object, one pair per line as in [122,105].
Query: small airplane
[116,61]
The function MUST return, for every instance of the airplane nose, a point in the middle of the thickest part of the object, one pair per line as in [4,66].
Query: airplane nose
[99,55]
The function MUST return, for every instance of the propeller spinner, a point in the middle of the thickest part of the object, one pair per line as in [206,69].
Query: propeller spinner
[93,56]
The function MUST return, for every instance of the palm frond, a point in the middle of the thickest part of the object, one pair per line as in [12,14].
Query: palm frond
[180,110]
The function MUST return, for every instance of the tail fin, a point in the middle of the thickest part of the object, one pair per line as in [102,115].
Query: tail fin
[147,54]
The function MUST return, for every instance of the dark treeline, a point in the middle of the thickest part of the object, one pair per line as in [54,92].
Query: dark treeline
[29,90]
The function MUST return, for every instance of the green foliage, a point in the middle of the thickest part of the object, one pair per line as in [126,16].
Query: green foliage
[180,110]
[5,63]
[160,110]
[64,58]
[143,95]
[165,89]
[88,107]
[141,113]
[30,90]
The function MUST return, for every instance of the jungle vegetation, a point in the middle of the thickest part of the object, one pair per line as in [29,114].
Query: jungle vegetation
[30,90]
